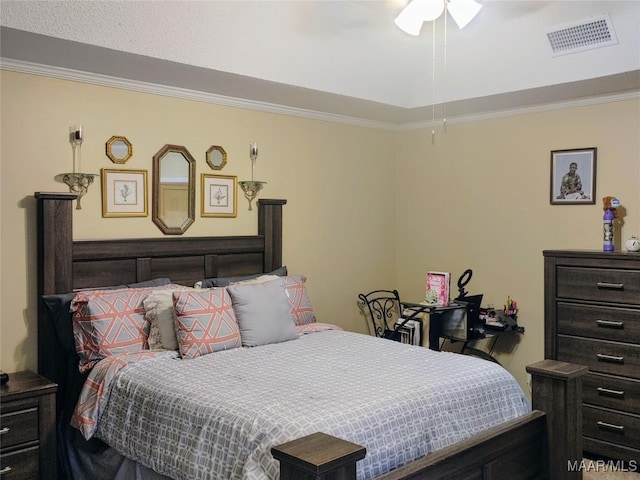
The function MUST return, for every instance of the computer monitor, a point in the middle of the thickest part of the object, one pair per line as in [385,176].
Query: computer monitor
[460,324]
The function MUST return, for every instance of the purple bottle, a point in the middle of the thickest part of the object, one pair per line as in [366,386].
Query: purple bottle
[607,224]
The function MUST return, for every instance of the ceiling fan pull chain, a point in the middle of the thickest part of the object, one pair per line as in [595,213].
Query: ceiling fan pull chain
[444,80]
[433,83]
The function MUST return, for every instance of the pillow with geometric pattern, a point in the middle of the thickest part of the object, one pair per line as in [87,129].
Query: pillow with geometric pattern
[299,298]
[108,322]
[205,322]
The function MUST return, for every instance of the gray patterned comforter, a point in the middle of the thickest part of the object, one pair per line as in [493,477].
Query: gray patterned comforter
[217,416]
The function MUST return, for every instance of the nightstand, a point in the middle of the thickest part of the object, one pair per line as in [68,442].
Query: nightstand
[28,427]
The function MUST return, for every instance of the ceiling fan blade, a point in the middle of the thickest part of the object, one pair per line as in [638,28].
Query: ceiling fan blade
[416,13]
[463,11]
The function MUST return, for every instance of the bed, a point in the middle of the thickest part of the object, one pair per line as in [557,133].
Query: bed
[314,380]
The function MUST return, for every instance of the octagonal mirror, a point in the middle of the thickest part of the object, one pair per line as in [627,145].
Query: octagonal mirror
[173,196]
[216,157]
[119,149]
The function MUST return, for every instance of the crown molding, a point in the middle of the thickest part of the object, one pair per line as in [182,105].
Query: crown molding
[206,97]
[547,107]
[181,93]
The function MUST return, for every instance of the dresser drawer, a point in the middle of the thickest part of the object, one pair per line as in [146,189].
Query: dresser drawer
[605,323]
[610,450]
[611,426]
[18,427]
[20,464]
[611,392]
[601,356]
[598,284]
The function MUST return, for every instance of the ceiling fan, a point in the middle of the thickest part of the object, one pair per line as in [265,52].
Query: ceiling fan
[417,12]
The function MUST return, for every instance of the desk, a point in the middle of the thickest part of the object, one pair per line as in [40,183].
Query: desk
[471,328]
[468,349]
[435,314]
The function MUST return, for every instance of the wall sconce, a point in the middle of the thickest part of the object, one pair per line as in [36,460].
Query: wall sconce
[77,182]
[252,187]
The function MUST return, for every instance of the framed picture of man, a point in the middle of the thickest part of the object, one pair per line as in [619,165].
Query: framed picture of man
[573,176]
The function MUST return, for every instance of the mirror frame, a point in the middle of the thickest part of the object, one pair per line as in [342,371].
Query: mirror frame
[109,149]
[191,207]
[215,148]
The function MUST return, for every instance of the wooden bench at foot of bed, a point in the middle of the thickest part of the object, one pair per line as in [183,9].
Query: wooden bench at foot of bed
[537,445]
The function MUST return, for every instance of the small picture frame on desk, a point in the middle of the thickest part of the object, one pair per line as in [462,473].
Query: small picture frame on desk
[437,291]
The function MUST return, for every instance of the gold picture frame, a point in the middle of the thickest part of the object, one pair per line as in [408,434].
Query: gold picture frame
[119,149]
[216,157]
[219,195]
[124,193]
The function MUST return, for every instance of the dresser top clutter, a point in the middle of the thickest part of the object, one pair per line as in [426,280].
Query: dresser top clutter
[592,317]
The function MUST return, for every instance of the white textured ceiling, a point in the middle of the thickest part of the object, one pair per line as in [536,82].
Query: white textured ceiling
[345,57]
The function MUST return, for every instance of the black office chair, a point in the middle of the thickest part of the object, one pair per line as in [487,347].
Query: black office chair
[381,308]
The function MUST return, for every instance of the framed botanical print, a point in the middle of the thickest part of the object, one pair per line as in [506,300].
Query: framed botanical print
[124,193]
[219,195]
[573,176]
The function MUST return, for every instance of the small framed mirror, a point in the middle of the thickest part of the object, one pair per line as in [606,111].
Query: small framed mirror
[119,149]
[173,196]
[216,157]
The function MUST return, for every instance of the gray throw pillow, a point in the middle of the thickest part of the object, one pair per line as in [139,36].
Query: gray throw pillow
[226,281]
[263,313]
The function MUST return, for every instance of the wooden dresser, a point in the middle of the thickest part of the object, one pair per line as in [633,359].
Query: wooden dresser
[28,428]
[592,317]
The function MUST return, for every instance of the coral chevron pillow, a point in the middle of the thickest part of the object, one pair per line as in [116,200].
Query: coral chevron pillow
[300,304]
[108,322]
[205,322]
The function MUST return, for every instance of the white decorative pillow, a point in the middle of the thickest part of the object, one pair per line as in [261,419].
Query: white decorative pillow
[160,312]
[205,322]
[261,279]
[263,312]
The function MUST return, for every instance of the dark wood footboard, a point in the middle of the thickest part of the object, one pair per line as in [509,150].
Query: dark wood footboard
[538,445]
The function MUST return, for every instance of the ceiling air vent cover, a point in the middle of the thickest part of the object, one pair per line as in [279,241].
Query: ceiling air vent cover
[583,35]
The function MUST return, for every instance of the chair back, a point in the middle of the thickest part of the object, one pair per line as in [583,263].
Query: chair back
[381,309]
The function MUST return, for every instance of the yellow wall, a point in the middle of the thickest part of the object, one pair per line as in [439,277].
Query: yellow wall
[339,182]
[367,208]
[479,198]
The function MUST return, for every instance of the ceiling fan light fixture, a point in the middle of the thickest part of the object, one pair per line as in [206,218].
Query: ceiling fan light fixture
[417,12]
[463,11]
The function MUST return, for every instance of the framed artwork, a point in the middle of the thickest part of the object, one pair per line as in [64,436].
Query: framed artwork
[219,195]
[124,193]
[573,176]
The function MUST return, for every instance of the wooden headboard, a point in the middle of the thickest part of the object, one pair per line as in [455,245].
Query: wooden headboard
[65,265]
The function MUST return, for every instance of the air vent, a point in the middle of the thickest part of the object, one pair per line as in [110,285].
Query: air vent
[583,35]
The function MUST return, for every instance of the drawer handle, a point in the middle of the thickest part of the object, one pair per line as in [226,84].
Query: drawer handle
[610,358]
[5,470]
[610,393]
[609,324]
[610,426]
[610,286]
[4,430]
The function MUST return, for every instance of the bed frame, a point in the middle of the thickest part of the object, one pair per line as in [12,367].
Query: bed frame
[536,445]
